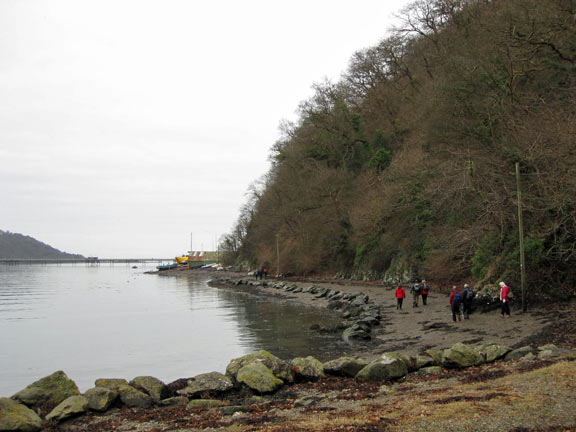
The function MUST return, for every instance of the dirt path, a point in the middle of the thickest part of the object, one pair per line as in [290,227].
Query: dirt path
[413,330]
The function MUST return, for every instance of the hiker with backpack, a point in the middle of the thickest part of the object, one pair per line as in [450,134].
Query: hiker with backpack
[425,290]
[400,294]
[468,295]
[415,291]
[456,303]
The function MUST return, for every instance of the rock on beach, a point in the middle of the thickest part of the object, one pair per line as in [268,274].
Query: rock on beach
[17,417]
[211,383]
[100,398]
[52,390]
[383,369]
[258,377]
[279,367]
[71,406]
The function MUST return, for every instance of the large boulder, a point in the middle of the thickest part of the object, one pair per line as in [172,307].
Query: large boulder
[492,352]
[175,401]
[204,403]
[383,369]
[71,406]
[519,353]
[435,354]
[424,360]
[369,321]
[460,356]
[430,370]
[345,366]
[17,417]
[550,347]
[209,383]
[110,383]
[279,368]
[153,386]
[100,398]
[551,351]
[397,355]
[51,390]
[134,398]
[356,332]
[308,368]
[258,377]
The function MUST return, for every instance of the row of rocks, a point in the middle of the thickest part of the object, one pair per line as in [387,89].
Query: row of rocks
[359,312]
[260,372]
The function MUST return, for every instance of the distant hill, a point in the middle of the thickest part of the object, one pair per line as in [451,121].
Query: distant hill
[19,246]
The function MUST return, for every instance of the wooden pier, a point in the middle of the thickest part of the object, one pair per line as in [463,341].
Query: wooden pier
[91,261]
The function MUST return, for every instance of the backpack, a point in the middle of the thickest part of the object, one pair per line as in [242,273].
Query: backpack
[457,298]
[470,295]
[416,287]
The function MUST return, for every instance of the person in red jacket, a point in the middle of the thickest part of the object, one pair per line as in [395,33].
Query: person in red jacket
[425,291]
[504,299]
[456,303]
[400,294]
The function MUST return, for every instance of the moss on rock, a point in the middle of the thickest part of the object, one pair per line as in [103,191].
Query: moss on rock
[259,377]
[52,390]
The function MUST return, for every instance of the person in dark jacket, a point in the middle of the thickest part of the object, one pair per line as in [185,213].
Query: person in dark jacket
[400,294]
[456,304]
[415,290]
[468,297]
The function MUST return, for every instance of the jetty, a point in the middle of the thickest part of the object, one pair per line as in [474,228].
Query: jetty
[89,261]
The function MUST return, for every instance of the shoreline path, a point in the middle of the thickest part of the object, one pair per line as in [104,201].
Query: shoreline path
[413,330]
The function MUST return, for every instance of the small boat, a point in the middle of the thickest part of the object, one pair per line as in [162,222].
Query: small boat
[134,267]
[182,259]
[167,266]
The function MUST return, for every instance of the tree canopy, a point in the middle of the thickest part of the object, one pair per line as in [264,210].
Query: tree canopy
[405,166]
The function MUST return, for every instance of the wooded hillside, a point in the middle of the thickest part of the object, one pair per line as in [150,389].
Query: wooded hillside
[18,246]
[406,166]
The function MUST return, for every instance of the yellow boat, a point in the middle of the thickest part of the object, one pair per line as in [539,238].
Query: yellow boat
[181,260]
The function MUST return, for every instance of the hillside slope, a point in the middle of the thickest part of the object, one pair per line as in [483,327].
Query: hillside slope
[405,168]
[19,246]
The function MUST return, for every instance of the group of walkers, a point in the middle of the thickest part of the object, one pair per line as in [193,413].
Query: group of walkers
[261,273]
[460,301]
[418,289]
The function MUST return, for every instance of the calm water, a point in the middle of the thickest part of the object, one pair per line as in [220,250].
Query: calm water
[114,321]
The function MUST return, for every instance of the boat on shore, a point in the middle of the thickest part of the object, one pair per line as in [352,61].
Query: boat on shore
[167,266]
[182,260]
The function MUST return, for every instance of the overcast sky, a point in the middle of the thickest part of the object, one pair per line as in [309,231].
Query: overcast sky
[128,125]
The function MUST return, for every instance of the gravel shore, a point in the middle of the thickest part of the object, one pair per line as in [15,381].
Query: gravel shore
[413,330]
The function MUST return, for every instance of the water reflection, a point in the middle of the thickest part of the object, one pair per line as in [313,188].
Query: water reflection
[117,322]
[281,327]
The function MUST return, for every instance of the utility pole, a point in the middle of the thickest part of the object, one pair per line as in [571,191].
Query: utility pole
[521,236]
[277,255]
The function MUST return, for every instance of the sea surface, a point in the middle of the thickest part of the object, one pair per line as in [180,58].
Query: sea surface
[118,322]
